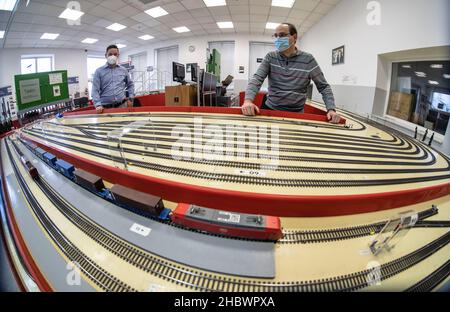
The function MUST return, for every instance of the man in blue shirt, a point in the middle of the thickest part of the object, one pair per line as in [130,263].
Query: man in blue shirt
[112,83]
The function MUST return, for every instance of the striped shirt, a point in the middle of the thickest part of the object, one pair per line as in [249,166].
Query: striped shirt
[289,79]
[110,85]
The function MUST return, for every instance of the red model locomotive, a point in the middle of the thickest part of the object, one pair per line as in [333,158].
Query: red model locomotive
[228,223]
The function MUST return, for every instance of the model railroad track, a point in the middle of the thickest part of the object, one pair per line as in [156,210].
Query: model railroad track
[95,273]
[314,236]
[433,280]
[70,138]
[281,141]
[291,134]
[222,117]
[330,235]
[256,166]
[405,156]
[248,180]
[163,128]
[198,280]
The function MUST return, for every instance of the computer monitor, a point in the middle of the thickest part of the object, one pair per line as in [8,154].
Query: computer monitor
[179,72]
[441,101]
[194,73]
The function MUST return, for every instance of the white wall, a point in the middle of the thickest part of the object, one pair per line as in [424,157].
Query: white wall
[74,61]
[241,53]
[409,29]
[405,24]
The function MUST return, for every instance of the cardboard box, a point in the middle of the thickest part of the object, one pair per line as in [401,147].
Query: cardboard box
[400,105]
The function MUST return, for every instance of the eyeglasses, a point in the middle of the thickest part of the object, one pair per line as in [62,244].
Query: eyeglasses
[282,35]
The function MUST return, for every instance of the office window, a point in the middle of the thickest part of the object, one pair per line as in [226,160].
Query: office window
[164,59]
[420,93]
[36,64]
[139,73]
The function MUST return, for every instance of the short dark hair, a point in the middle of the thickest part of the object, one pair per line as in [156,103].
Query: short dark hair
[112,46]
[292,28]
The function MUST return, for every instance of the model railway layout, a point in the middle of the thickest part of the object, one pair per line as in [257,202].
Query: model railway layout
[224,189]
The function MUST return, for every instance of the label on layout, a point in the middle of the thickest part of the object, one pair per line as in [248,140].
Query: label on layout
[229,217]
[253,173]
[140,229]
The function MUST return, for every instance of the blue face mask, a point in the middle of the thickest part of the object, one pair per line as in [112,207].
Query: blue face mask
[282,44]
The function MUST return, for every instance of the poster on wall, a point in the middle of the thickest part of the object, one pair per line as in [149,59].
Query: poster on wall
[56,91]
[74,86]
[337,56]
[30,90]
[55,78]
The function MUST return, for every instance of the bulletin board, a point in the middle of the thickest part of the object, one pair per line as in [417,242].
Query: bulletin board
[37,90]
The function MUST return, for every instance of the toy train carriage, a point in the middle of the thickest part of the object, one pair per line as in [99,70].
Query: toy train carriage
[50,159]
[40,152]
[139,200]
[228,223]
[32,171]
[89,181]
[65,168]
[29,144]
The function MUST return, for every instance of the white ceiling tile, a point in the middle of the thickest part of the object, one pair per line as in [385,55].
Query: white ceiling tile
[42,16]
[200,12]
[299,14]
[181,16]
[113,4]
[141,17]
[193,4]
[222,10]
[323,8]
[307,5]
[173,7]
[241,18]
[151,23]
[261,10]
[205,19]
[259,18]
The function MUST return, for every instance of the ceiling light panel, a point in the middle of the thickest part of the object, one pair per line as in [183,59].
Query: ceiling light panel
[225,25]
[7,5]
[214,3]
[89,40]
[116,27]
[156,12]
[283,3]
[49,36]
[146,37]
[181,29]
[70,14]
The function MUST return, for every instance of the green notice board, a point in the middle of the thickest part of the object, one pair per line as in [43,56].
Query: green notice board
[213,66]
[37,90]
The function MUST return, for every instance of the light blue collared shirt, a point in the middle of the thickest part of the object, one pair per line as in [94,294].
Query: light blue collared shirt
[110,84]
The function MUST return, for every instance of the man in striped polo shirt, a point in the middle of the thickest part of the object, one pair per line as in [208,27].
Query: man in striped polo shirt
[290,72]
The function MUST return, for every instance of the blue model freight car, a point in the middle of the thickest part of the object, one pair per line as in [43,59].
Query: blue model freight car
[40,152]
[65,168]
[50,159]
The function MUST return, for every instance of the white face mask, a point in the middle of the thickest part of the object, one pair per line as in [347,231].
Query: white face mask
[112,60]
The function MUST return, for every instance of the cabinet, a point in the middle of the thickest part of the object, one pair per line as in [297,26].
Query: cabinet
[181,95]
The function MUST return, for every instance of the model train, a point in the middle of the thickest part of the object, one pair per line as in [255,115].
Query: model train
[228,223]
[32,171]
[186,215]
